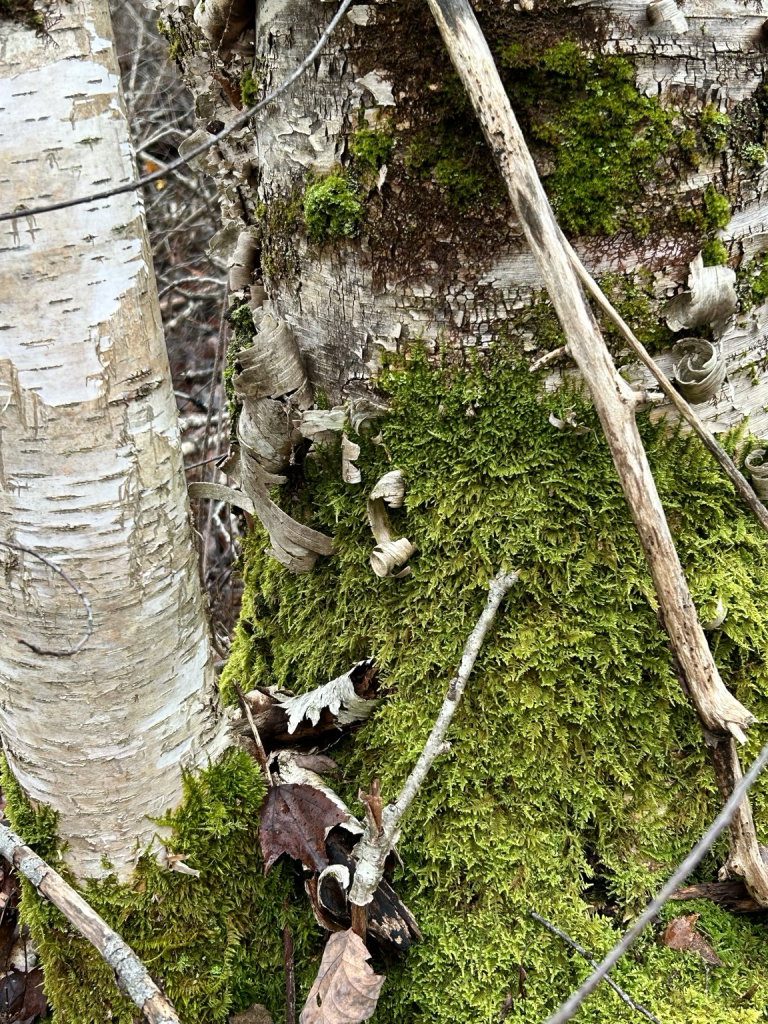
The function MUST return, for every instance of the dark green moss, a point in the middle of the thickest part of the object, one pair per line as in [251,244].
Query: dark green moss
[606,139]
[23,12]
[577,775]
[332,209]
[214,942]
[752,281]
[714,128]
[634,299]
[243,330]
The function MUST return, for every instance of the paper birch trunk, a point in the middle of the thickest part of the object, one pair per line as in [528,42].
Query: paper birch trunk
[91,473]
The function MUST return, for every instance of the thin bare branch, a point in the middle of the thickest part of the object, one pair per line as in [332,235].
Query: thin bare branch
[132,976]
[263,761]
[373,849]
[588,957]
[694,858]
[239,122]
[86,604]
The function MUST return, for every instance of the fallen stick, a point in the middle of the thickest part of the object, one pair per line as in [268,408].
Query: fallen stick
[593,963]
[382,831]
[131,974]
[615,402]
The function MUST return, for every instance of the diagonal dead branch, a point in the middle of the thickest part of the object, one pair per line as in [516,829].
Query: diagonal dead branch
[615,402]
[131,974]
[382,829]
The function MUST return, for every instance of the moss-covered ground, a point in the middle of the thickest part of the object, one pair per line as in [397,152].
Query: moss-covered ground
[577,777]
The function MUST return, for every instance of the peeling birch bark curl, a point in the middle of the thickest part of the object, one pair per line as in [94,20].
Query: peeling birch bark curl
[388,554]
[758,469]
[273,387]
[711,299]
[614,401]
[665,14]
[242,262]
[699,369]
[373,849]
[131,974]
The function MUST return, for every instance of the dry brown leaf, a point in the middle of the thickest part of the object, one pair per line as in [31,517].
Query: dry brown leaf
[346,989]
[681,933]
[294,820]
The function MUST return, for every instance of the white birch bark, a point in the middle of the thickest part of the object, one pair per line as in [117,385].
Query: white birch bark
[91,473]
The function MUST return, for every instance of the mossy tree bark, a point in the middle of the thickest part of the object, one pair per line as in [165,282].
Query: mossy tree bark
[92,476]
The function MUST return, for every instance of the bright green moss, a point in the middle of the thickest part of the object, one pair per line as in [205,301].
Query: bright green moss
[717,209]
[714,128]
[214,942]
[752,281]
[249,87]
[332,209]
[606,139]
[243,330]
[371,148]
[577,775]
[714,253]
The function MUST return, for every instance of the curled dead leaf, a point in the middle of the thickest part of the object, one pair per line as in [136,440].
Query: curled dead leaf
[294,820]
[346,990]
[681,933]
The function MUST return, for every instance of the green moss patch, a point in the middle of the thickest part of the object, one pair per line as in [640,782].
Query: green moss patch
[332,209]
[214,942]
[577,776]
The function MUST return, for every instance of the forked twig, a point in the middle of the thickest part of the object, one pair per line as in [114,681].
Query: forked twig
[77,590]
[588,957]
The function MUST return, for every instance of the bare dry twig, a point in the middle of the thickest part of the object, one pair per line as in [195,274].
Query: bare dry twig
[588,957]
[131,974]
[373,849]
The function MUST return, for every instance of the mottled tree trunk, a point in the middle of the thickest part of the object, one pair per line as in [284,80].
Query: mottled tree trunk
[91,473]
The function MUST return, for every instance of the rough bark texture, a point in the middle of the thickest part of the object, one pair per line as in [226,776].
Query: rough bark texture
[91,469]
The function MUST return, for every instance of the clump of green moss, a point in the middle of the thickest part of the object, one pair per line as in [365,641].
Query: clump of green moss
[249,87]
[332,209]
[633,297]
[714,253]
[214,942]
[173,38]
[717,209]
[371,148]
[752,281]
[577,777]
[605,138]
[714,128]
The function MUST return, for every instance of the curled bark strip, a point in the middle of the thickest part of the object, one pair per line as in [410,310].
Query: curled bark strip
[699,369]
[757,467]
[712,298]
[132,976]
[388,554]
[220,492]
[86,604]
[273,387]
[242,262]
[665,14]
[222,21]
[349,452]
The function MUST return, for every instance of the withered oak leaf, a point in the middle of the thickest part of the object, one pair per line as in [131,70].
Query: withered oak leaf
[345,990]
[294,820]
[681,933]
